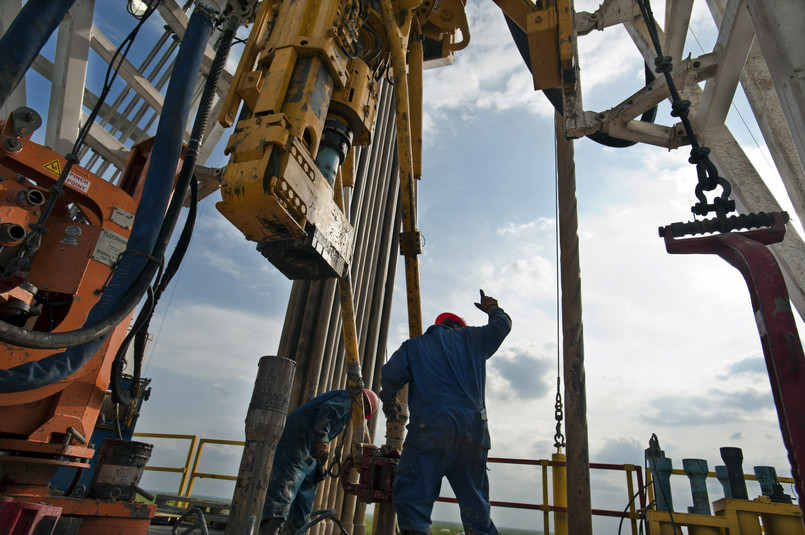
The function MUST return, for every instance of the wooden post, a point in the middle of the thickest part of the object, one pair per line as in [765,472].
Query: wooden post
[265,421]
[579,510]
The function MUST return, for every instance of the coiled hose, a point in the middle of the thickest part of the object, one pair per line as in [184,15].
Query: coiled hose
[134,273]
[139,332]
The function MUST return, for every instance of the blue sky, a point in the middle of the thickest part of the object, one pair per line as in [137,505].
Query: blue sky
[671,345]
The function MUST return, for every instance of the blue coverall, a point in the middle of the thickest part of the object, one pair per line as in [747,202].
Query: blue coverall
[292,487]
[447,434]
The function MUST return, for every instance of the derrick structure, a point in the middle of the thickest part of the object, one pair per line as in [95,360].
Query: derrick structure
[758,46]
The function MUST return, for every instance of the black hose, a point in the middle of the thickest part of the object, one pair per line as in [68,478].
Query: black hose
[185,179]
[133,274]
[24,39]
[555,95]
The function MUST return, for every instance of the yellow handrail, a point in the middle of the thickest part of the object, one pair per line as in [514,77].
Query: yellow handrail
[194,473]
[193,441]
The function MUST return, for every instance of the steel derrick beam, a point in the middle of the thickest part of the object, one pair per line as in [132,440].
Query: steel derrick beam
[748,187]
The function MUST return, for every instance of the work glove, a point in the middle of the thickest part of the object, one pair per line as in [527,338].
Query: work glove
[487,303]
[321,451]
[393,410]
[321,472]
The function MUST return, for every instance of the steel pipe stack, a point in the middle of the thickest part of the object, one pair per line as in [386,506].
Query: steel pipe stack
[312,334]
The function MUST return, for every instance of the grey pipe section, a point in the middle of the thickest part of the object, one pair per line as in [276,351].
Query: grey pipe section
[311,334]
[661,471]
[11,233]
[696,470]
[733,458]
[770,485]
[721,475]
[265,421]
[766,477]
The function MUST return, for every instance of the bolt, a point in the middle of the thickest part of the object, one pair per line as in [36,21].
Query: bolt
[12,144]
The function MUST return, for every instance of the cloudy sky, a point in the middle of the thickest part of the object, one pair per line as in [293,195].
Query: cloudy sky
[670,342]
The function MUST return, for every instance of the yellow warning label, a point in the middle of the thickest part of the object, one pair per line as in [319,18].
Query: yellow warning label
[54,167]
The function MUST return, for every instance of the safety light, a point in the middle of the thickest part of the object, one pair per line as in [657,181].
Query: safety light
[137,8]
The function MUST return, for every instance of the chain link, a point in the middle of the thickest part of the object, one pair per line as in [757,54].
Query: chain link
[558,437]
[708,177]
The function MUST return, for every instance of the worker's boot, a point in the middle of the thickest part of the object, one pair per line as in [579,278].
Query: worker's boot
[270,526]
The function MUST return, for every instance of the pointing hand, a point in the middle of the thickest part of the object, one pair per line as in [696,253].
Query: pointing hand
[487,303]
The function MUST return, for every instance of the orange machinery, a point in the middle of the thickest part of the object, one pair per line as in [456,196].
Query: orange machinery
[53,290]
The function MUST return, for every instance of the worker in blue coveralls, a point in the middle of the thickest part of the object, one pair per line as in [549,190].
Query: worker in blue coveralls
[445,370]
[300,457]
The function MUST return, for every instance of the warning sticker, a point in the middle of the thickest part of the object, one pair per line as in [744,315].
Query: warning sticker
[78,182]
[53,167]
[109,247]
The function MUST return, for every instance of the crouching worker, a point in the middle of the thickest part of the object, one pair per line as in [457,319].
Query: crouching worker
[299,461]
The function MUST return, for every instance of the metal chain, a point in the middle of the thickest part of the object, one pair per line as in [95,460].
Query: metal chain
[708,176]
[558,437]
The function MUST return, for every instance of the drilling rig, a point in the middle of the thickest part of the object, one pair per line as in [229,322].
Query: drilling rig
[323,115]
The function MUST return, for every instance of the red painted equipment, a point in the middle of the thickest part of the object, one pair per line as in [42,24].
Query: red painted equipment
[376,469]
[20,518]
[782,349]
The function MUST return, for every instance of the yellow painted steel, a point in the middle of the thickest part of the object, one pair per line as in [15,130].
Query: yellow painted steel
[546,525]
[416,59]
[410,245]
[551,42]
[194,473]
[247,83]
[185,470]
[629,470]
[360,434]
[272,188]
[732,517]
[559,494]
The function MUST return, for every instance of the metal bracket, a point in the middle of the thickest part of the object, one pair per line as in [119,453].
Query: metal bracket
[782,348]
[410,243]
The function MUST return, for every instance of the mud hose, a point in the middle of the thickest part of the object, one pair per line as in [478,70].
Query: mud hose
[134,271]
[184,181]
[318,516]
[555,95]
[26,36]
[200,524]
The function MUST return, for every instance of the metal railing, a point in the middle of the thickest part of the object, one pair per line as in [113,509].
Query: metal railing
[180,469]
[190,469]
[634,476]
[634,479]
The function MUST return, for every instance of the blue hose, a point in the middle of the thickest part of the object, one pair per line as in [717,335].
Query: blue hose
[26,36]
[147,220]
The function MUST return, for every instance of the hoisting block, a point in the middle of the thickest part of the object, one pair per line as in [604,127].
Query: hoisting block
[782,348]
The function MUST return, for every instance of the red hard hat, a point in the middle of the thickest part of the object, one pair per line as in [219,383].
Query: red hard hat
[373,401]
[449,316]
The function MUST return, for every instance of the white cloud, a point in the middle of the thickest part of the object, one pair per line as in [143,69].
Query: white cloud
[217,342]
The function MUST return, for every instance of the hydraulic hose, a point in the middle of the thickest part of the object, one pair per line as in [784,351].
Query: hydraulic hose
[184,180]
[138,262]
[555,95]
[28,33]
